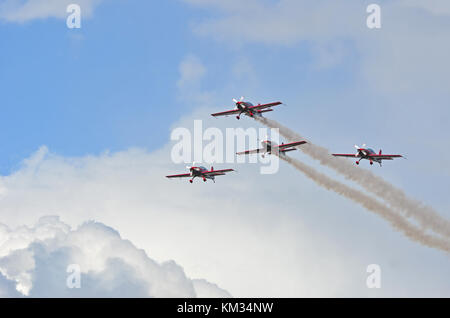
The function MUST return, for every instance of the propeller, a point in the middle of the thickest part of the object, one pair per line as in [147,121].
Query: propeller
[189,167]
[266,138]
[238,101]
[358,148]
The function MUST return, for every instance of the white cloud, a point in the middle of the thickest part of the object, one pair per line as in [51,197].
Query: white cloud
[408,54]
[22,11]
[191,71]
[253,235]
[284,22]
[35,259]
[8,288]
[205,289]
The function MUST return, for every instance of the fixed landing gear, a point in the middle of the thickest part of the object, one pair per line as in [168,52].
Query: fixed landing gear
[191,181]
[357,162]
[204,179]
[238,117]
[371,163]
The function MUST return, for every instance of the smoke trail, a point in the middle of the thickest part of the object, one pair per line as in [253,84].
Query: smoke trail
[371,204]
[395,197]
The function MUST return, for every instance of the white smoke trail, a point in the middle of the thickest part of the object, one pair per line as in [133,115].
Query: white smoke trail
[396,198]
[371,204]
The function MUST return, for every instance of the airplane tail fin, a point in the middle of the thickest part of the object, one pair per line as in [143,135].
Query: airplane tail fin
[212,168]
[379,152]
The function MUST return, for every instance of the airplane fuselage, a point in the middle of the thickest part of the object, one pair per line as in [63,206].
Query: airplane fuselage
[270,146]
[365,153]
[267,145]
[244,107]
[199,172]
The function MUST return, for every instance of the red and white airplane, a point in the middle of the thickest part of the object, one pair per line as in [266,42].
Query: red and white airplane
[368,154]
[247,108]
[270,147]
[201,172]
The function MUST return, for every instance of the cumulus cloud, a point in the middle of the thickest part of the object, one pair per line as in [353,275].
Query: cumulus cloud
[22,11]
[34,262]
[291,243]
[205,289]
[8,288]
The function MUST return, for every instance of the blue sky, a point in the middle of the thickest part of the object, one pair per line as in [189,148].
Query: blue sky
[116,84]
[109,85]
[112,84]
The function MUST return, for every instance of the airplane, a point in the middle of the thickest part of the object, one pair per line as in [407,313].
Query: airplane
[202,172]
[270,147]
[368,154]
[248,109]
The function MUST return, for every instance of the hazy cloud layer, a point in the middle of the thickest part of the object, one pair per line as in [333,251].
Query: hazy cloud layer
[408,53]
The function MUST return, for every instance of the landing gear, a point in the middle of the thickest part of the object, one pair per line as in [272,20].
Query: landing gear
[371,163]
[191,181]
[357,162]
[204,179]
[238,117]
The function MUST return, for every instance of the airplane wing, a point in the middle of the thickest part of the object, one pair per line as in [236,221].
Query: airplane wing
[345,155]
[226,113]
[248,152]
[291,144]
[183,175]
[217,172]
[385,157]
[265,105]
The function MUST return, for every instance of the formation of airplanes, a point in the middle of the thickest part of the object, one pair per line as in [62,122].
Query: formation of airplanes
[270,147]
